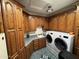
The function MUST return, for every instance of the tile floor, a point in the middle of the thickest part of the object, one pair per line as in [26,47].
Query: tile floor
[43,53]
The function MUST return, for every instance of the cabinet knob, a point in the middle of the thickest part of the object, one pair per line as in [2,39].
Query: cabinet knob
[2,38]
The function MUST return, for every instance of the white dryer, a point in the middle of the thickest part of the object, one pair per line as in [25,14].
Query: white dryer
[58,41]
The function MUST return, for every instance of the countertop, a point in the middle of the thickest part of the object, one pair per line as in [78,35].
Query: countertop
[31,38]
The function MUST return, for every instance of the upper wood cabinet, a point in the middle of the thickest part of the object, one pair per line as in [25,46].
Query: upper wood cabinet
[13,24]
[32,22]
[63,22]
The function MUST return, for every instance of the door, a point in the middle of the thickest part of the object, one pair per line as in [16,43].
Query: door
[3,49]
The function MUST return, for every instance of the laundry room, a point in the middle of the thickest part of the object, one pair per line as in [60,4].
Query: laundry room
[39,29]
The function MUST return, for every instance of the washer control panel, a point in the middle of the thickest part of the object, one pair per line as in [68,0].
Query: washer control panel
[65,37]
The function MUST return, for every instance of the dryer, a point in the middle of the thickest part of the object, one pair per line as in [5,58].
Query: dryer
[58,41]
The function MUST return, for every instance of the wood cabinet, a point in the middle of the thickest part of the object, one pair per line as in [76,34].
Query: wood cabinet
[63,22]
[34,45]
[13,24]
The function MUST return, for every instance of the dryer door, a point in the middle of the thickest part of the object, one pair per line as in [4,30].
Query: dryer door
[60,44]
[49,38]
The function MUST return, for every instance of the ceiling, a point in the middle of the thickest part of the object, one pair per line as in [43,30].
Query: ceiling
[46,7]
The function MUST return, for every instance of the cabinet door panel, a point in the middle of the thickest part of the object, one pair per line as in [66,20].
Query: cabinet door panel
[9,15]
[11,41]
[19,17]
[20,39]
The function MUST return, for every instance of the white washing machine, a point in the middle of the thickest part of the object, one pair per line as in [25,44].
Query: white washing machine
[58,41]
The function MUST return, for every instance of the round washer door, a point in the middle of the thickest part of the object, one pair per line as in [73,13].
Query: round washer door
[49,38]
[60,44]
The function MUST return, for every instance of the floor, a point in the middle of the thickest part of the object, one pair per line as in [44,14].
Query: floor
[43,53]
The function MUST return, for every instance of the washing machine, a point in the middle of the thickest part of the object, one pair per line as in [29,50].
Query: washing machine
[59,41]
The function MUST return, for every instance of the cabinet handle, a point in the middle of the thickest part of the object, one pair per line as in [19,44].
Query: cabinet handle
[2,38]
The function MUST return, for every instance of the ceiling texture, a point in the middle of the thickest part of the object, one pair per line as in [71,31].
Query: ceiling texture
[47,7]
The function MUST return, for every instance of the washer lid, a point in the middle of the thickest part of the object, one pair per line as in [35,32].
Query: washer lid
[60,44]
[49,38]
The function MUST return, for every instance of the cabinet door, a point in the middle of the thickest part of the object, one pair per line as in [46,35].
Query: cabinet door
[44,23]
[19,27]
[31,47]
[36,44]
[76,52]
[42,43]
[70,22]
[9,24]
[26,22]
[53,24]
[22,54]
[77,18]
[27,52]
[62,22]
[32,23]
